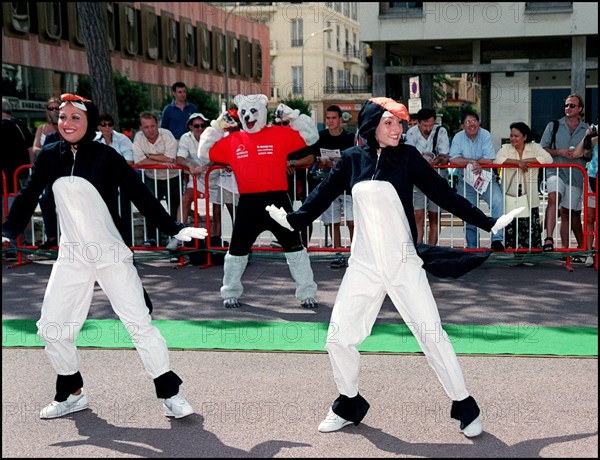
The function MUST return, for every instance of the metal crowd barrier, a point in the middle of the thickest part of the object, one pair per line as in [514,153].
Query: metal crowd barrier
[451,232]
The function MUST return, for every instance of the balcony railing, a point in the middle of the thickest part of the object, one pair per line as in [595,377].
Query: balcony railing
[345,89]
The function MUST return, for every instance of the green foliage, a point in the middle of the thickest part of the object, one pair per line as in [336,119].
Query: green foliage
[132,99]
[439,95]
[293,103]
[204,101]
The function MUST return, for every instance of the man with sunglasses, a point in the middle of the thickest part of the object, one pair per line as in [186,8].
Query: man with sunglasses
[122,144]
[565,189]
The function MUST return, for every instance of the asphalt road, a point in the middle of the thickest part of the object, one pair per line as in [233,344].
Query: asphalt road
[253,404]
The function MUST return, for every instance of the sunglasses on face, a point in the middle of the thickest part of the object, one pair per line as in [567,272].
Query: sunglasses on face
[104,124]
[50,109]
[570,106]
[201,125]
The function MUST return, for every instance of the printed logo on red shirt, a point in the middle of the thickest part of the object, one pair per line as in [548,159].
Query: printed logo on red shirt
[241,151]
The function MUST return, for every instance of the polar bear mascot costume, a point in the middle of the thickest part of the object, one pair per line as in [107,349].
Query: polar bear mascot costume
[258,157]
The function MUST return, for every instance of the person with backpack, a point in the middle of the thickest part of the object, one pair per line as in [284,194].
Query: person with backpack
[432,141]
[565,185]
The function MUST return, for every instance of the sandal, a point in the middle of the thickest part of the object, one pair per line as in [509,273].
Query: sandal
[548,247]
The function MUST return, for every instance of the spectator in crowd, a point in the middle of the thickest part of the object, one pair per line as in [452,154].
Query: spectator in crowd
[332,141]
[473,146]
[384,260]
[432,141]
[17,140]
[413,120]
[526,232]
[154,146]
[299,163]
[122,144]
[85,176]
[565,189]
[187,157]
[46,134]
[176,113]
[51,126]
[588,149]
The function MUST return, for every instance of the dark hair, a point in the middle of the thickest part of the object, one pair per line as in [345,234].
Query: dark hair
[334,108]
[523,129]
[425,114]
[468,113]
[147,116]
[106,117]
[177,84]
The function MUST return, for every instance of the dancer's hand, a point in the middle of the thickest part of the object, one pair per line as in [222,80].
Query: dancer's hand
[186,234]
[279,215]
[506,219]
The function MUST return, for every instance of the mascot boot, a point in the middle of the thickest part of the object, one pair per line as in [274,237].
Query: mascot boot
[306,288]
[232,288]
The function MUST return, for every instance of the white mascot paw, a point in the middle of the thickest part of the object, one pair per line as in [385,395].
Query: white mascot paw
[506,219]
[225,121]
[279,215]
[186,234]
[285,113]
[5,240]
[209,137]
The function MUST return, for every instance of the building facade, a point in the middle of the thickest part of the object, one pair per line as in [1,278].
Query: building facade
[316,53]
[527,56]
[153,43]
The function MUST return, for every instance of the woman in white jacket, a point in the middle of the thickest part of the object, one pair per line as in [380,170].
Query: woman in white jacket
[523,232]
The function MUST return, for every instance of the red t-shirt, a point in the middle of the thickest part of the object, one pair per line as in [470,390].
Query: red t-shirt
[258,160]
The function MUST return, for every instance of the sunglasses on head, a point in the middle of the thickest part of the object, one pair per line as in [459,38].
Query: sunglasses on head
[104,124]
[50,109]
[200,125]
[570,106]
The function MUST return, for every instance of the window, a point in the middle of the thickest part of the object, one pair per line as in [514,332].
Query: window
[297,83]
[329,83]
[219,50]
[548,7]
[328,36]
[245,57]
[234,55]
[403,9]
[258,70]
[110,26]
[75,37]
[150,33]
[129,27]
[297,32]
[16,18]
[337,38]
[205,46]
[170,34]
[50,22]
[188,42]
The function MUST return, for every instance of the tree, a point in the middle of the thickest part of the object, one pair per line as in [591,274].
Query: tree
[132,99]
[93,25]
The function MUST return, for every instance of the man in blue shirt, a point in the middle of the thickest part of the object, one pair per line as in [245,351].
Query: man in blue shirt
[175,115]
[473,145]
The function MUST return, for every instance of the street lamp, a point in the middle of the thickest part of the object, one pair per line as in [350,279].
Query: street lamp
[325,30]
[227,57]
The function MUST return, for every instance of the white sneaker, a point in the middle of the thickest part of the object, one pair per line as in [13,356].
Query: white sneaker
[589,260]
[475,428]
[333,422]
[176,406]
[74,403]
[174,243]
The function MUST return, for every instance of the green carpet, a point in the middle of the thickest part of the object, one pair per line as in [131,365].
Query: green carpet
[298,336]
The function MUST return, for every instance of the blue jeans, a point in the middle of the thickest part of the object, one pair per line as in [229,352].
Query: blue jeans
[495,200]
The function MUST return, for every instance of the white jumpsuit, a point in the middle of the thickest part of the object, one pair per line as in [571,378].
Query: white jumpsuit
[384,261]
[91,249]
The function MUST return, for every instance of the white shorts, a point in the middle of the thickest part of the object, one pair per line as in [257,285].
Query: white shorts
[591,202]
[217,194]
[333,214]
[419,201]
[571,197]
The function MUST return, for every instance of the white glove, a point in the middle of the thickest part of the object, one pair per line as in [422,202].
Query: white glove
[285,113]
[5,240]
[506,219]
[279,215]
[186,234]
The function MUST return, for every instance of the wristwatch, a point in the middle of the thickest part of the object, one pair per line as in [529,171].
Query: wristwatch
[292,163]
